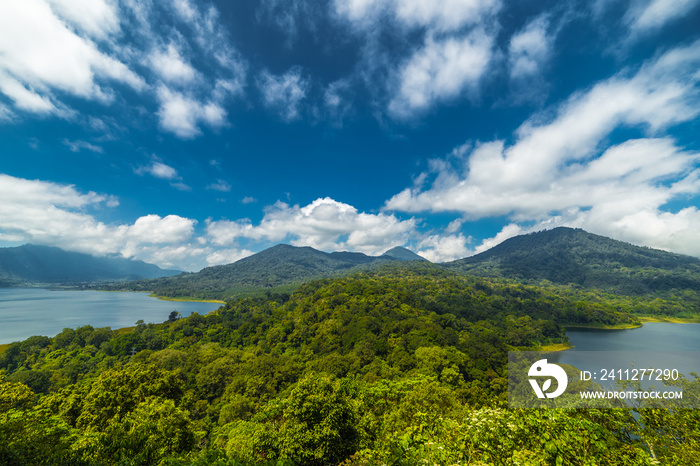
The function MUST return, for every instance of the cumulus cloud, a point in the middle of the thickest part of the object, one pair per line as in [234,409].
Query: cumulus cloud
[42,55]
[284,93]
[44,212]
[182,114]
[441,70]
[54,214]
[443,248]
[171,66]
[158,169]
[449,15]
[54,49]
[529,49]
[220,185]
[324,224]
[558,168]
[452,48]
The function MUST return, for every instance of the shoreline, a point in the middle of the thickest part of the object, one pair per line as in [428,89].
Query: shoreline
[185,299]
[167,298]
[606,327]
[555,347]
[669,320]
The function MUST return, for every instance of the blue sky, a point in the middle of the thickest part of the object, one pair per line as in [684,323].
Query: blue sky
[191,133]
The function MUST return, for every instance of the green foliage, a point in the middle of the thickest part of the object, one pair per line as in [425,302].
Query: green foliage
[576,261]
[275,271]
[401,366]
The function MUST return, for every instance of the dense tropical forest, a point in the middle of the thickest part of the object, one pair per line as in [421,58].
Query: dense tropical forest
[403,365]
[278,269]
[569,262]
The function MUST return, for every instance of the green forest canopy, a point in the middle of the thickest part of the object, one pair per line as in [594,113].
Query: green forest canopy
[396,367]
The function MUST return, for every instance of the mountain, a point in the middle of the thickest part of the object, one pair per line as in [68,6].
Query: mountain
[403,254]
[280,267]
[32,264]
[573,256]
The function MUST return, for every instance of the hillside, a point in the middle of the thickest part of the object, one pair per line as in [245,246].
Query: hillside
[572,256]
[279,268]
[401,366]
[31,264]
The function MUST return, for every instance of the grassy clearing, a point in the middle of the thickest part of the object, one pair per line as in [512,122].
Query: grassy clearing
[187,299]
[671,320]
[605,327]
[4,347]
[554,347]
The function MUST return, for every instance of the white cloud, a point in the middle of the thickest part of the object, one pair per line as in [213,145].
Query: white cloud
[649,15]
[220,185]
[77,146]
[529,49]
[437,248]
[53,214]
[41,55]
[506,232]
[171,67]
[159,170]
[96,18]
[227,256]
[560,169]
[182,115]
[54,49]
[49,213]
[457,35]
[440,71]
[284,93]
[155,229]
[324,224]
[28,100]
[5,113]
[448,15]
[248,200]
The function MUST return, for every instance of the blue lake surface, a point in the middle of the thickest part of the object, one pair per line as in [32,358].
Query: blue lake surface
[657,345]
[36,311]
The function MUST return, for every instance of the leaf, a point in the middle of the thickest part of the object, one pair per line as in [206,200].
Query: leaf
[546,385]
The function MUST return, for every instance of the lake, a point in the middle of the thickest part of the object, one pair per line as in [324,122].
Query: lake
[657,345]
[36,311]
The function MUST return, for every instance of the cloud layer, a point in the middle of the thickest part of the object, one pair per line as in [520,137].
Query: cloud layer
[48,213]
[560,171]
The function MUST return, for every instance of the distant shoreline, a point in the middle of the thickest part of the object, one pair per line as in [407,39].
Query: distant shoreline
[167,298]
[186,299]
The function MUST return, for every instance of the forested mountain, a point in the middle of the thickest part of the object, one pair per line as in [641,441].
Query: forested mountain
[403,254]
[31,264]
[572,256]
[400,366]
[279,268]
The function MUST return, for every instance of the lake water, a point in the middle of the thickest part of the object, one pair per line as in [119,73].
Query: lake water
[36,311]
[657,345]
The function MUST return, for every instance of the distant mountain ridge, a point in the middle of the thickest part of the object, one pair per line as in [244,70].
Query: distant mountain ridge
[573,256]
[280,267]
[32,264]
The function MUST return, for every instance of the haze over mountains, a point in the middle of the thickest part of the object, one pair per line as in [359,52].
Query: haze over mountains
[31,264]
